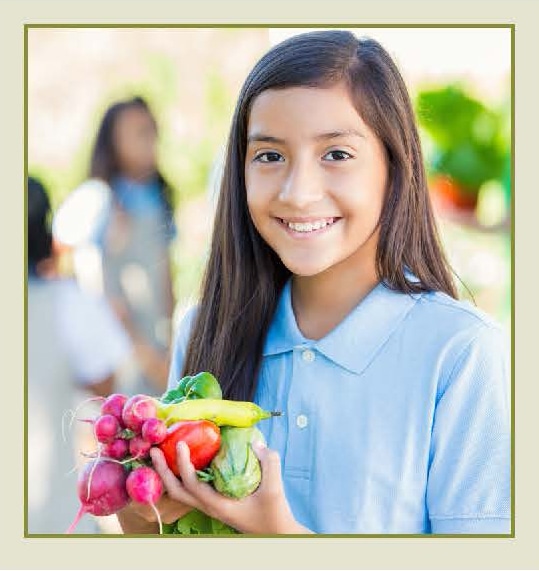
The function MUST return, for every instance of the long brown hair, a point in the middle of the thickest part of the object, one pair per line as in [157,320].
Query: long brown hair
[244,277]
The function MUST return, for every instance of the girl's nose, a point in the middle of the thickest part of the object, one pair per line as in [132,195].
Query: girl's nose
[301,186]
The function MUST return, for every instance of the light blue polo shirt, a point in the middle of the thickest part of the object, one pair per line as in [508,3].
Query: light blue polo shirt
[397,421]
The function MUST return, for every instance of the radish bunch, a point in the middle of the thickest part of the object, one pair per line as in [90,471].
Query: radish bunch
[125,430]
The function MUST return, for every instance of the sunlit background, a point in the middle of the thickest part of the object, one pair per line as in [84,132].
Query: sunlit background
[459,80]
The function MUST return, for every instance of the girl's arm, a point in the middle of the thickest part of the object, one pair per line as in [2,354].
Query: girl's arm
[266,511]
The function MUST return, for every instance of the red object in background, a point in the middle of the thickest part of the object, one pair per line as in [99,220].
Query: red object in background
[452,194]
[203,438]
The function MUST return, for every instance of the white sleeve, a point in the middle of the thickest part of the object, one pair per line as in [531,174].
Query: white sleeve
[95,340]
[179,347]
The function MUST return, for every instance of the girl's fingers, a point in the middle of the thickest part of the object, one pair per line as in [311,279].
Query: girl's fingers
[270,464]
[175,489]
[185,466]
[208,498]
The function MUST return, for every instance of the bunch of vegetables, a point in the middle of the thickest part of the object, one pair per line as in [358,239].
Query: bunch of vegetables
[218,433]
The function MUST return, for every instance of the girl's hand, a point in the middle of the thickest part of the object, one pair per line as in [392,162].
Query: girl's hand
[170,510]
[139,518]
[266,511]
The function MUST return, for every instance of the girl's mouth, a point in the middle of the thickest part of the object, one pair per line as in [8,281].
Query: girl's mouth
[308,227]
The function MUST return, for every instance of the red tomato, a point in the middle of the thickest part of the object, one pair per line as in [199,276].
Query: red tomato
[201,436]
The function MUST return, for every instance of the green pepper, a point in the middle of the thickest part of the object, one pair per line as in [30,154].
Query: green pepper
[203,386]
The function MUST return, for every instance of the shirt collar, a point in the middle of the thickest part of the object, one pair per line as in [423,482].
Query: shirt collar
[356,340]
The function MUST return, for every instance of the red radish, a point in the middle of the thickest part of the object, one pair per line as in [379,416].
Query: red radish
[101,488]
[114,404]
[138,409]
[145,487]
[154,430]
[116,449]
[107,428]
[138,447]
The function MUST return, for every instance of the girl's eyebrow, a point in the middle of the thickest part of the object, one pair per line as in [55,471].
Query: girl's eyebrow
[261,137]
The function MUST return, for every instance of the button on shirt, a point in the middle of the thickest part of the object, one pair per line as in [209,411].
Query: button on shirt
[397,421]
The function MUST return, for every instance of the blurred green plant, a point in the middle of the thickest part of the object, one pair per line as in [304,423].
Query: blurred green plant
[468,141]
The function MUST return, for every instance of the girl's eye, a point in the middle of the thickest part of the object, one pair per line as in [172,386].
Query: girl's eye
[268,157]
[338,156]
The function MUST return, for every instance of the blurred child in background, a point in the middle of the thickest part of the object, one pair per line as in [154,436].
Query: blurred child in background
[75,345]
[132,233]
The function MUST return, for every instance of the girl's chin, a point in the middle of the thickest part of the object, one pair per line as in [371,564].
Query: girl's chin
[305,270]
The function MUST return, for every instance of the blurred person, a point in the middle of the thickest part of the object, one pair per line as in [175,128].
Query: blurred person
[132,228]
[75,345]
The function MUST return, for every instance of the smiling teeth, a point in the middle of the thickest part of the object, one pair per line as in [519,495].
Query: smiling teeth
[308,226]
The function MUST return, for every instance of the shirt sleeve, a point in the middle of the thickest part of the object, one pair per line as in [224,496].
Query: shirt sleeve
[179,348]
[95,341]
[468,488]
[83,216]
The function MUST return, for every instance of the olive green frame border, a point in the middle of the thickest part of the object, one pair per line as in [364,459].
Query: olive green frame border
[512,249]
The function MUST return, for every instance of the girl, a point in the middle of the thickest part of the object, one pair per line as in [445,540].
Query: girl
[327,296]
[133,233]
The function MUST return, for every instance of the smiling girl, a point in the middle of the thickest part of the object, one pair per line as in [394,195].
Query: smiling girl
[327,296]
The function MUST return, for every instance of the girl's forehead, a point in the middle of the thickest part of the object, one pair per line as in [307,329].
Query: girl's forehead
[135,115]
[315,109]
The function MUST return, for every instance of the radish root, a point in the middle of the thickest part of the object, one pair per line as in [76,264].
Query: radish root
[73,414]
[80,513]
[158,516]
[92,475]
[64,416]
[84,402]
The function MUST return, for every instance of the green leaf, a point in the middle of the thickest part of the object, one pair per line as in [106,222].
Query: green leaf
[220,528]
[176,395]
[205,475]
[127,434]
[194,523]
[172,396]
[169,528]
[197,523]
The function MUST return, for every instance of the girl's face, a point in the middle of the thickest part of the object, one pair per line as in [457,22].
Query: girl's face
[135,139]
[316,177]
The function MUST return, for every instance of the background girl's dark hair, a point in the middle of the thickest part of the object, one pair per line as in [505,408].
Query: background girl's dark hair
[104,163]
[39,232]
[244,277]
